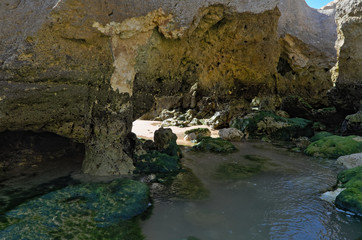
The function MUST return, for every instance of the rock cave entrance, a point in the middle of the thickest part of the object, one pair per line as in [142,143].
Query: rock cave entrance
[32,151]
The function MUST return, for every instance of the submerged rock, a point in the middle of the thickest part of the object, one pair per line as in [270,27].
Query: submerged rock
[351,198]
[334,146]
[249,166]
[86,211]
[217,145]
[187,185]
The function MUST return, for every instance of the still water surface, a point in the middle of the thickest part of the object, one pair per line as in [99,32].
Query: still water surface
[282,202]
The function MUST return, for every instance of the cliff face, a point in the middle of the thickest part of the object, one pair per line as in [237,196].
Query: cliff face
[86,69]
[346,94]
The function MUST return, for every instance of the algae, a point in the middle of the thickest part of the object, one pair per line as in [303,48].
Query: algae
[156,162]
[235,171]
[268,124]
[187,185]
[217,145]
[85,211]
[334,146]
[320,135]
[197,130]
[351,198]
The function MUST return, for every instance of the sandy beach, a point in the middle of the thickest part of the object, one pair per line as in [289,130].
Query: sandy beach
[145,129]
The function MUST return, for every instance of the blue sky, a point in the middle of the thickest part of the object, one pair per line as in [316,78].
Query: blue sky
[317,3]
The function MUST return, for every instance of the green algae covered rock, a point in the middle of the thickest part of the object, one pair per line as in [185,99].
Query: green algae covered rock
[350,199]
[251,165]
[187,186]
[197,134]
[156,162]
[217,145]
[85,211]
[334,146]
[268,124]
[320,135]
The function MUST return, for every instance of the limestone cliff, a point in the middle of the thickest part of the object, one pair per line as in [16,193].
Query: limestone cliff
[86,69]
[347,93]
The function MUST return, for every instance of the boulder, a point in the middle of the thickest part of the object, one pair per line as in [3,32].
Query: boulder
[165,142]
[85,211]
[267,124]
[334,146]
[351,198]
[196,134]
[217,145]
[351,161]
[231,134]
[352,124]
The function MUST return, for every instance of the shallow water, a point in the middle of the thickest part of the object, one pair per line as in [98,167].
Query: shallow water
[281,202]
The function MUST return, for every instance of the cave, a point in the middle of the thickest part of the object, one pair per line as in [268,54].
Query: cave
[27,150]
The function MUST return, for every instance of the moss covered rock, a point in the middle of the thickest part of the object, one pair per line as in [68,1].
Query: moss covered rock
[217,145]
[156,162]
[320,135]
[197,134]
[351,198]
[268,124]
[334,146]
[187,186]
[86,211]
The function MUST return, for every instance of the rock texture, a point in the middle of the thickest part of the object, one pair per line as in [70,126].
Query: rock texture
[351,161]
[346,95]
[86,69]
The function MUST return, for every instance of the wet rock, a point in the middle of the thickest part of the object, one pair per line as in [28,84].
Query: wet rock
[197,134]
[270,125]
[187,185]
[165,142]
[334,146]
[353,124]
[156,162]
[351,161]
[85,211]
[217,145]
[351,198]
[231,134]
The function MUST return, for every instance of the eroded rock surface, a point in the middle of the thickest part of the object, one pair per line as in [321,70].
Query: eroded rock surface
[346,95]
[85,70]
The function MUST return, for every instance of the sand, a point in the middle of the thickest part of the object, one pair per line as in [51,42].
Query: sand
[145,129]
